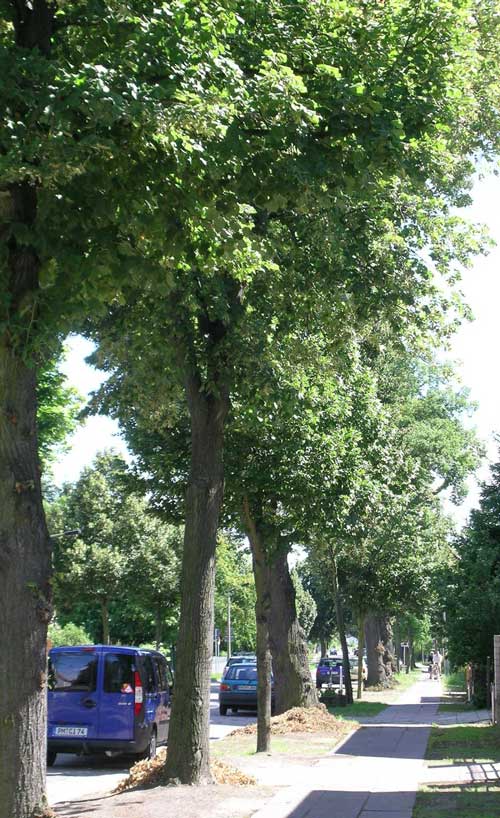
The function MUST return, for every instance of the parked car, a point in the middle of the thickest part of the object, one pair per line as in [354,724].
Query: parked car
[238,689]
[354,668]
[103,698]
[239,659]
[328,671]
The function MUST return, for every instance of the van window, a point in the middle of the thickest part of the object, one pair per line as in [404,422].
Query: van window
[161,670]
[73,671]
[118,673]
[149,675]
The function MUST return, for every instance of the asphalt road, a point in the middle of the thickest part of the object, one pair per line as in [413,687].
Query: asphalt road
[75,777]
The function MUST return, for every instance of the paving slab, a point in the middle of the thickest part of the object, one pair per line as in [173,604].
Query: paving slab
[375,772]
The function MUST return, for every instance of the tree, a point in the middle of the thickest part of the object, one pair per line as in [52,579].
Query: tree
[120,546]
[234,581]
[467,589]
[364,139]
[73,126]
[306,606]
[58,407]
[68,634]
[317,584]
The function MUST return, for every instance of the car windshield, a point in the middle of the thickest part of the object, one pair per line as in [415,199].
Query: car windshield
[247,673]
[329,663]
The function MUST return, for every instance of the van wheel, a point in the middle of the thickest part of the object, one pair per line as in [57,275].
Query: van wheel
[51,757]
[222,709]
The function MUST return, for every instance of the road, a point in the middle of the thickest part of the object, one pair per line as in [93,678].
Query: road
[74,777]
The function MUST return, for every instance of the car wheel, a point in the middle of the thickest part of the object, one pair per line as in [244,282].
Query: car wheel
[234,709]
[51,758]
[223,709]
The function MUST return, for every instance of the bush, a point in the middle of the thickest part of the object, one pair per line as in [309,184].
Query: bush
[70,634]
[332,698]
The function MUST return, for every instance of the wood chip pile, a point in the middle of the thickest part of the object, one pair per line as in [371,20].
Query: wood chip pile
[302,720]
[149,773]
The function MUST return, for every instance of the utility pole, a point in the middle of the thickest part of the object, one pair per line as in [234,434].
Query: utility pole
[228,626]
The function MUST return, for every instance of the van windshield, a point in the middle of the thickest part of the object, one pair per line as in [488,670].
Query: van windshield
[73,671]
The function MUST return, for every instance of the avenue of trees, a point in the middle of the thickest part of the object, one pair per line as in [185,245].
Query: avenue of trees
[252,210]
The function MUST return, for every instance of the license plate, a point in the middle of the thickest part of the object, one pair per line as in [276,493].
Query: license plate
[71,732]
[246,687]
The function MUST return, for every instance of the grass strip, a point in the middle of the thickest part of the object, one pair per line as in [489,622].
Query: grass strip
[462,745]
[359,709]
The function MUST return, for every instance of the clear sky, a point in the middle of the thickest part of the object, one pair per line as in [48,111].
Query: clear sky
[476,346]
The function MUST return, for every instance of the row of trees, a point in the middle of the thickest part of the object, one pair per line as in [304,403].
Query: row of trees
[240,206]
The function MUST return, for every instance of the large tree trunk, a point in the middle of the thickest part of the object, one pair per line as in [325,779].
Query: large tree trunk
[387,639]
[105,621]
[188,748]
[342,634]
[25,566]
[25,552]
[323,644]
[374,651]
[294,686]
[252,519]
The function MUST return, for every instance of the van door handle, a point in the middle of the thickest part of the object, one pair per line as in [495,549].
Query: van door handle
[89,703]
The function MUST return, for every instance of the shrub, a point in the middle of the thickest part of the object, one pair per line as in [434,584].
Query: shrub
[69,634]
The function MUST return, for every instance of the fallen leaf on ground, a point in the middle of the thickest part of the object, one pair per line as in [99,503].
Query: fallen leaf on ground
[302,720]
[150,773]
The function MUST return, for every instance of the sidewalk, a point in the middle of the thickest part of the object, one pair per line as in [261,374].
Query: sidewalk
[375,773]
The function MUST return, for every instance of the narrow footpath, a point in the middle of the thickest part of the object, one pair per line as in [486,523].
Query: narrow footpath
[375,773]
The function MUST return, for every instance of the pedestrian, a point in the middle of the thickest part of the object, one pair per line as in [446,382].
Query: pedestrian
[436,663]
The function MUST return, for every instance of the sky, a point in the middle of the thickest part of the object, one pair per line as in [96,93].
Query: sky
[475,347]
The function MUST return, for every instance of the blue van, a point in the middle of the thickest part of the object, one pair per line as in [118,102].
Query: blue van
[103,698]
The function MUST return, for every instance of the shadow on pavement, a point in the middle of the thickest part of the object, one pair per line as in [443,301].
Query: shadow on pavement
[335,804]
[387,742]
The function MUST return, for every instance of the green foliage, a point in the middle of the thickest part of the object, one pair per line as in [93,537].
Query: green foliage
[234,579]
[124,559]
[69,634]
[58,407]
[305,604]
[469,590]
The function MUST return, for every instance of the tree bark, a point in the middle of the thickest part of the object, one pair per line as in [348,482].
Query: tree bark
[376,671]
[105,621]
[387,639]
[292,678]
[342,634]
[361,647]
[25,549]
[323,646]
[252,521]
[25,568]
[188,755]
